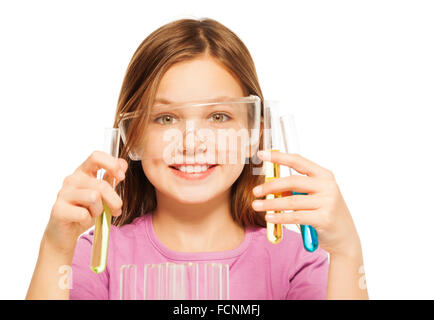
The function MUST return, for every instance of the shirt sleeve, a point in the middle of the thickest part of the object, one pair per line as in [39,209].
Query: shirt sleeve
[308,280]
[86,285]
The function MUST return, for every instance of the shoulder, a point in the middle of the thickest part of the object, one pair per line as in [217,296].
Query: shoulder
[279,255]
[289,250]
[126,231]
[290,239]
[137,228]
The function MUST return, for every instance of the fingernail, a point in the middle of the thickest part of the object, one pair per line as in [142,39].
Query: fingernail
[257,190]
[121,175]
[257,205]
[270,217]
[124,165]
[265,155]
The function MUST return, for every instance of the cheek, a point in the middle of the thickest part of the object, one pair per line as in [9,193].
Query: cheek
[152,148]
[232,152]
[152,169]
[158,152]
[231,172]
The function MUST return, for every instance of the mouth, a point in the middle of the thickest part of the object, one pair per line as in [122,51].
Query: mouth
[193,171]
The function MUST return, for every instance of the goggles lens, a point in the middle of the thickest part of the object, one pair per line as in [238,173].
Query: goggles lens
[214,128]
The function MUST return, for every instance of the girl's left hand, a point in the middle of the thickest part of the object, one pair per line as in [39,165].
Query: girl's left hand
[322,208]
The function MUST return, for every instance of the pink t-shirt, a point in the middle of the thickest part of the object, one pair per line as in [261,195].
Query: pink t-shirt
[258,269]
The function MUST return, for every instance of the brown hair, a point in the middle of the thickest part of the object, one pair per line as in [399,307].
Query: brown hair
[174,42]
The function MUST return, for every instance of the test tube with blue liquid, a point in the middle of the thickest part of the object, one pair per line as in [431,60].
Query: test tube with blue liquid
[290,144]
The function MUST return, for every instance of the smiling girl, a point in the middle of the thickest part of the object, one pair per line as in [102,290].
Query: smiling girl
[187,210]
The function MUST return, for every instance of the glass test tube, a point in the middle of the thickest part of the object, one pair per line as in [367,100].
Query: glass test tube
[128,286]
[171,281]
[290,143]
[216,278]
[186,281]
[103,221]
[271,136]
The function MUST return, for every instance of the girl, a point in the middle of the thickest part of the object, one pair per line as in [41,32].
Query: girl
[179,212]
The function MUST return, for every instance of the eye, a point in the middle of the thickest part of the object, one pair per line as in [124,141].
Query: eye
[165,119]
[220,117]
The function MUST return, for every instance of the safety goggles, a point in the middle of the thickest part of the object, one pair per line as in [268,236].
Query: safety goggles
[231,125]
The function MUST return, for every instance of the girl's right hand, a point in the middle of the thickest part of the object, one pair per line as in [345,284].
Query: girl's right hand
[79,200]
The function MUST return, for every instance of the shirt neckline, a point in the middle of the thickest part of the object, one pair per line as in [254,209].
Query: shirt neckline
[191,256]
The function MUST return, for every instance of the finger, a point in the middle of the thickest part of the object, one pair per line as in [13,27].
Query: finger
[97,191]
[295,161]
[116,167]
[306,217]
[297,183]
[296,202]
[86,198]
[72,213]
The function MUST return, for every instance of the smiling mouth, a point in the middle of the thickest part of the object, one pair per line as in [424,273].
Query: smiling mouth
[193,168]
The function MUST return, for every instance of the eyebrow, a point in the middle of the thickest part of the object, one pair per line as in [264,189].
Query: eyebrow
[161,100]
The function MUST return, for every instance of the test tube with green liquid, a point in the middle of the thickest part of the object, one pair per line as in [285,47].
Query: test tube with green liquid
[101,233]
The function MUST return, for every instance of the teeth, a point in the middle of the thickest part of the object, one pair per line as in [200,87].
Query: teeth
[193,169]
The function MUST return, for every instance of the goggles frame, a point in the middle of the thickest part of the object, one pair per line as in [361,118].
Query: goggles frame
[252,99]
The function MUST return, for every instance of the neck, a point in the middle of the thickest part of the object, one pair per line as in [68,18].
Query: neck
[198,227]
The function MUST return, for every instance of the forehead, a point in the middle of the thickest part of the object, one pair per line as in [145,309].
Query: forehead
[198,79]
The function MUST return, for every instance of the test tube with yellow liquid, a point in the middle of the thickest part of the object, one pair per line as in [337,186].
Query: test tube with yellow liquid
[271,142]
[103,221]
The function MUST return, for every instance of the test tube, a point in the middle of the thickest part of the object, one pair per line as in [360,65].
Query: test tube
[271,143]
[128,286]
[171,281]
[186,281]
[216,278]
[290,143]
[103,222]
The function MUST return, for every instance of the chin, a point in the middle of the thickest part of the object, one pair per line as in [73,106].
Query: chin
[194,197]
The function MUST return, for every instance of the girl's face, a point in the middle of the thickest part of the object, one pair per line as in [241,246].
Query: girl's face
[183,179]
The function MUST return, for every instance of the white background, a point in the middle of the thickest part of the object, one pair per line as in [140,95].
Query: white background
[359,76]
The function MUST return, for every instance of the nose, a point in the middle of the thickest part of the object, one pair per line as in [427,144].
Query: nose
[192,142]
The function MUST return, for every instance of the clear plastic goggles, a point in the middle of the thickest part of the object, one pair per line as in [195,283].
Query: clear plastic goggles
[226,128]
